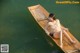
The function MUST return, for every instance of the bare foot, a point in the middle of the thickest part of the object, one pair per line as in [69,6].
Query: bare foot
[73,42]
[61,46]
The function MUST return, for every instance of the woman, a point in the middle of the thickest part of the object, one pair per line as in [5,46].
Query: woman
[56,29]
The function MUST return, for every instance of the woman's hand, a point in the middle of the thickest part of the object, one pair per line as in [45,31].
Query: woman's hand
[63,28]
[66,29]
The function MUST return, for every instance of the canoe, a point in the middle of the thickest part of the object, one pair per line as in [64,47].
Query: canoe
[40,15]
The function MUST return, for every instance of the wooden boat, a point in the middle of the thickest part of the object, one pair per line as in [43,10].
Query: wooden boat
[40,15]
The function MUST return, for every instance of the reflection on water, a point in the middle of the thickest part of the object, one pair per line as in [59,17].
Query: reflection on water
[19,29]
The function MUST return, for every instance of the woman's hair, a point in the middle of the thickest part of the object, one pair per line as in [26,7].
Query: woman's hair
[52,15]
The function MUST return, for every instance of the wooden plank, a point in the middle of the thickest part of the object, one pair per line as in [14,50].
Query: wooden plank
[40,15]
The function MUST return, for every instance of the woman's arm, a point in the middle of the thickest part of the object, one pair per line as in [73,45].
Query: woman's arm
[42,19]
[63,28]
[59,25]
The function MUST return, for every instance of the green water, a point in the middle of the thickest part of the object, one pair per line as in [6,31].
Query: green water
[19,29]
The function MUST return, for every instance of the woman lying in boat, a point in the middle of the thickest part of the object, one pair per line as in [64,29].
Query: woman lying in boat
[56,30]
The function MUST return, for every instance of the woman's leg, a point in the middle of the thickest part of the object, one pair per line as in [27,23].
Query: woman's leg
[61,44]
[68,36]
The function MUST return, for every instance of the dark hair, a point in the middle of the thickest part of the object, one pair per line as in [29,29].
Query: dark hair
[54,18]
[52,15]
